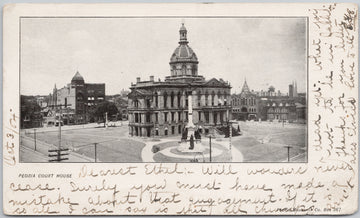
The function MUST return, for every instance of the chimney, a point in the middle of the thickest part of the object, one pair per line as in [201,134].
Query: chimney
[137,79]
[152,78]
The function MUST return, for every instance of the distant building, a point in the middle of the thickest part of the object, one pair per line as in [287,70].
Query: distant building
[160,108]
[76,99]
[269,105]
[121,103]
[245,104]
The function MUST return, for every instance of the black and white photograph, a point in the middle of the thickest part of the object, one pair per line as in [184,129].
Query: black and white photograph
[163,89]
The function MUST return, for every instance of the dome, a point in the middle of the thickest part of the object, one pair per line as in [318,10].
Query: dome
[77,78]
[183,53]
[183,61]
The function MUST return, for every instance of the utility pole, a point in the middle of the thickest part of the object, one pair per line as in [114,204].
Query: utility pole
[35,139]
[95,147]
[106,120]
[288,152]
[210,147]
[230,134]
[59,135]
[58,155]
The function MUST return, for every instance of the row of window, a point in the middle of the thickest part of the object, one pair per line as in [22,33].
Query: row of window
[244,109]
[93,98]
[244,101]
[171,117]
[278,110]
[136,103]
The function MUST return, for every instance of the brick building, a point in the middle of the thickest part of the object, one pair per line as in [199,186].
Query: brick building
[269,105]
[77,99]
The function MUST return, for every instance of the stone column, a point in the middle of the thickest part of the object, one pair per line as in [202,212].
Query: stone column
[211,118]
[190,125]
[216,100]
[202,100]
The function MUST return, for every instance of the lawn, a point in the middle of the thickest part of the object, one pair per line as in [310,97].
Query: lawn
[264,142]
[112,146]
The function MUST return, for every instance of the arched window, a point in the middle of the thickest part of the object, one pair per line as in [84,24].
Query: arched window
[206,98]
[136,103]
[220,100]
[212,98]
[156,99]
[193,70]
[183,69]
[199,98]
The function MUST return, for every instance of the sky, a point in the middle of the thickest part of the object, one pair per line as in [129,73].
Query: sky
[114,51]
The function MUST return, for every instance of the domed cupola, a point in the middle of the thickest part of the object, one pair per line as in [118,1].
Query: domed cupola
[77,79]
[183,61]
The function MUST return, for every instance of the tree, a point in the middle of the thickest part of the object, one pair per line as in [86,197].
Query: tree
[30,114]
[105,107]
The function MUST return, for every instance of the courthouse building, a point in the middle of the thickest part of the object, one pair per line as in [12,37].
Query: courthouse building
[76,99]
[160,108]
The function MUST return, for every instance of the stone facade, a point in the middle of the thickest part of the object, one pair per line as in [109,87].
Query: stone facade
[160,108]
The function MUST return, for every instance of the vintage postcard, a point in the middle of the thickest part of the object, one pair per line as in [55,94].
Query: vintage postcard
[180,109]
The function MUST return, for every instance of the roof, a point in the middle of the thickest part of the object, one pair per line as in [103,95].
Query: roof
[77,77]
[245,87]
[183,52]
[182,28]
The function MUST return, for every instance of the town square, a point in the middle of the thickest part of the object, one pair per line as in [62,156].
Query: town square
[185,116]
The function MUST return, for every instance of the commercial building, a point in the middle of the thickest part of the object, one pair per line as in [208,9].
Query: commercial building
[76,99]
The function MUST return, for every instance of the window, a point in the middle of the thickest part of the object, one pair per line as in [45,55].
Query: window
[179,116]
[199,114]
[165,99]
[136,117]
[156,117]
[183,69]
[186,116]
[206,117]
[173,130]
[148,117]
[172,99]
[179,99]
[166,114]
[179,129]
[212,99]
[172,116]
[148,103]
[156,100]
[199,99]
